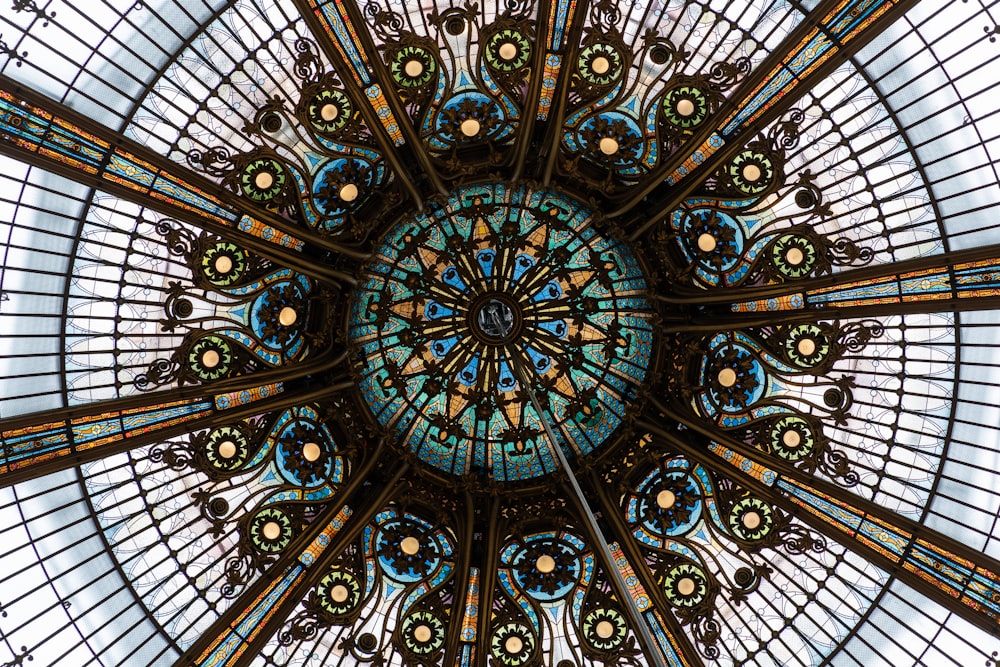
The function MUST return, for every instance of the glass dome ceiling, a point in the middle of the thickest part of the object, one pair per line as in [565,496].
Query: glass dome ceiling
[577,333]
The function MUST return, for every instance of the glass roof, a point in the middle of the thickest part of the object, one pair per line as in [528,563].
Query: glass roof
[569,333]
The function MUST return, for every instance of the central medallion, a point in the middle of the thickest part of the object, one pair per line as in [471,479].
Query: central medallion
[496,318]
[497,284]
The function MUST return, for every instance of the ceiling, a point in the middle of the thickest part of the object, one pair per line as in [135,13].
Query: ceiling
[570,334]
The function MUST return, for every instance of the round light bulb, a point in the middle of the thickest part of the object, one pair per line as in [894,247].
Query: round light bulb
[751,520]
[806,346]
[339,593]
[545,564]
[508,51]
[685,108]
[227,449]
[410,546]
[794,256]
[608,146]
[348,192]
[223,264]
[791,439]
[210,358]
[311,451]
[329,112]
[271,530]
[686,586]
[470,127]
[413,68]
[514,644]
[707,242]
[666,499]
[287,316]
[264,180]
[727,377]
[751,173]
[605,629]
[422,633]
[600,65]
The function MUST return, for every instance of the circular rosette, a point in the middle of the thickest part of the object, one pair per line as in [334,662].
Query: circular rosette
[507,50]
[271,530]
[600,64]
[223,264]
[686,585]
[751,519]
[406,552]
[226,448]
[328,111]
[342,184]
[613,137]
[751,172]
[422,633]
[513,645]
[211,357]
[279,315]
[339,593]
[469,116]
[412,66]
[734,377]
[263,179]
[604,629]
[685,107]
[792,439]
[305,455]
[669,504]
[715,240]
[794,256]
[807,346]
[546,569]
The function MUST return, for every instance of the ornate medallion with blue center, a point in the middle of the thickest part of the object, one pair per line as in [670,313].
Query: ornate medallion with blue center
[497,284]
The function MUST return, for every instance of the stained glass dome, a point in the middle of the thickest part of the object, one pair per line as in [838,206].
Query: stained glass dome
[499,334]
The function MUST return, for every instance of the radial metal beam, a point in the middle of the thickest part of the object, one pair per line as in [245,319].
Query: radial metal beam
[464,568]
[829,35]
[47,134]
[344,37]
[47,447]
[961,280]
[953,574]
[488,583]
[576,497]
[684,650]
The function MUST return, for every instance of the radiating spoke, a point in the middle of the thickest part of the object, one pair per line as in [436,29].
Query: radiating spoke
[44,133]
[237,636]
[343,36]
[961,280]
[487,585]
[466,587]
[564,22]
[39,445]
[830,33]
[952,573]
[678,649]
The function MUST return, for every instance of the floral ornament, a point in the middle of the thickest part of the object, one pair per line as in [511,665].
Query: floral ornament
[271,530]
[792,439]
[303,455]
[406,552]
[281,314]
[210,358]
[328,111]
[604,629]
[751,172]
[600,64]
[223,263]
[263,179]
[685,107]
[671,505]
[338,593]
[512,645]
[422,633]
[226,449]
[807,345]
[794,256]
[508,50]
[735,377]
[712,238]
[686,585]
[341,185]
[412,66]
[751,519]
